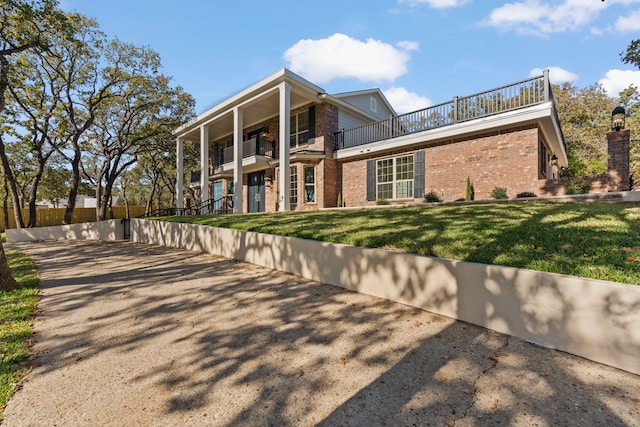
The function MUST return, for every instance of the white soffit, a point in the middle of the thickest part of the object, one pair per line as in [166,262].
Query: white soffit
[502,121]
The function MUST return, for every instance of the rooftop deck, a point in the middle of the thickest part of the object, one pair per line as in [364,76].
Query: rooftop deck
[522,94]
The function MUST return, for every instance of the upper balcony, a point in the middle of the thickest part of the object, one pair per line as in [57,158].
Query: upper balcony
[255,147]
[492,102]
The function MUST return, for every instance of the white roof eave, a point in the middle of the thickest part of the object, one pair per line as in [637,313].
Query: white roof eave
[542,113]
[254,91]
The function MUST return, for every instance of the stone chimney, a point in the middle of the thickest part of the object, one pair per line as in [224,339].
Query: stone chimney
[618,160]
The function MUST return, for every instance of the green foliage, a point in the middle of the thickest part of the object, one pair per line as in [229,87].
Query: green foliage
[578,186]
[598,240]
[432,197]
[525,194]
[499,193]
[382,202]
[585,116]
[339,203]
[55,185]
[16,309]
[632,54]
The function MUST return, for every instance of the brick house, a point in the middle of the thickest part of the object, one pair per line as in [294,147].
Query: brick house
[285,144]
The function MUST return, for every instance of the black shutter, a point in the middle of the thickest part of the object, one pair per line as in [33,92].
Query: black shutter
[371,180]
[312,122]
[418,174]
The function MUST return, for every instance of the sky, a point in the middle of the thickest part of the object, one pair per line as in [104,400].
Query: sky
[418,52]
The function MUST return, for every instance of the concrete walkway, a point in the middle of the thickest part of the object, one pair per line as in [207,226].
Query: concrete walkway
[131,335]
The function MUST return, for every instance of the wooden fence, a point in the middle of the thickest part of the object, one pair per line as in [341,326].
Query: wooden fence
[55,216]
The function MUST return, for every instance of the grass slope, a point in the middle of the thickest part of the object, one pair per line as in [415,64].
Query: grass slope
[596,240]
[16,308]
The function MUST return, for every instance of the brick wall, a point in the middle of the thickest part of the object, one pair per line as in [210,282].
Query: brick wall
[558,187]
[618,159]
[354,186]
[329,179]
[506,159]
[616,179]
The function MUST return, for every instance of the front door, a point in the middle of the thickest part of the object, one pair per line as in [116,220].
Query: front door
[256,192]
[217,195]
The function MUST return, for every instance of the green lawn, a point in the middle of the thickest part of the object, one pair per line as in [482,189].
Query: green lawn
[16,308]
[598,240]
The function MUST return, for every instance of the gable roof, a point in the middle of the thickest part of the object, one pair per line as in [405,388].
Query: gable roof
[350,97]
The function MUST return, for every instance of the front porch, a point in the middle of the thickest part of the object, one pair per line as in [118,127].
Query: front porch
[243,139]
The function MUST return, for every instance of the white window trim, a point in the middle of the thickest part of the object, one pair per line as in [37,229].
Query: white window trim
[293,172]
[304,179]
[394,181]
[298,131]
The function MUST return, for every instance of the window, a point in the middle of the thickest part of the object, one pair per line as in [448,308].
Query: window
[293,194]
[394,178]
[373,104]
[299,129]
[543,160]
[309,184]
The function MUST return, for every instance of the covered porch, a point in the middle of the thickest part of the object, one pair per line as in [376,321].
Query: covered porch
[242,140]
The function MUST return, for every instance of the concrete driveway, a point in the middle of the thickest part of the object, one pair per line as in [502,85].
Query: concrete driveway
[129,334]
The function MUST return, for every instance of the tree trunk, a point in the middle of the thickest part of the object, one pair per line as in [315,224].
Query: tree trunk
[98,198]
[75,183]
[7,282]
[5,203]
[149,205]
[126,202]
[106,199]
[17,203]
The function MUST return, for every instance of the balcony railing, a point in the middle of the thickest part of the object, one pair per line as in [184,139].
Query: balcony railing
[517,95]
[252,147]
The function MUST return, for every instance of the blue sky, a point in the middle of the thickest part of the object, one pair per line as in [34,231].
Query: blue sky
[419,52]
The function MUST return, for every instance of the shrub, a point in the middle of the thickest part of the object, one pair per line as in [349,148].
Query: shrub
[382,202]
[578,186]
[499,193]
[525,194]
[432,196]
[470,192]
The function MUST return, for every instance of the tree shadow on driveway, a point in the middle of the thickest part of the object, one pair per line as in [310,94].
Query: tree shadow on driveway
[157,336]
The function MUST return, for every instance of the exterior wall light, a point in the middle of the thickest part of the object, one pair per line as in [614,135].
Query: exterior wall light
[617,119]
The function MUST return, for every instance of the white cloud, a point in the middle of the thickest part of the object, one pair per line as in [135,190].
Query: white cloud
[436,4]
[341,56]
[408,45]
[557,75]
[404,101]
[615,81]
[544,17]
[628,23]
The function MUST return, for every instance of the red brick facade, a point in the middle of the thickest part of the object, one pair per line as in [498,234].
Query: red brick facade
[517,159]
[507,159]
[616,179]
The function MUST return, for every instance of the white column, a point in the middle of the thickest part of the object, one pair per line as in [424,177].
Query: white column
[179,173]
[237,160]
[204,164]
[284,178]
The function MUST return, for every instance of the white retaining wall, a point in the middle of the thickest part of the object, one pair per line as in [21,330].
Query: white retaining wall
[594,319]
[112,229]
